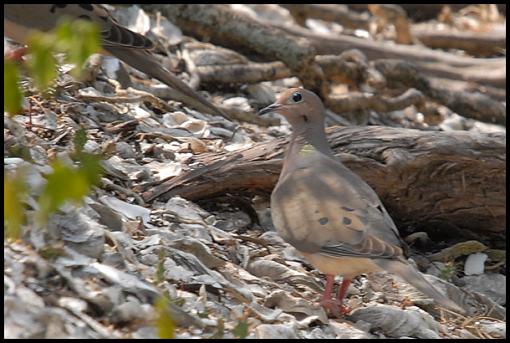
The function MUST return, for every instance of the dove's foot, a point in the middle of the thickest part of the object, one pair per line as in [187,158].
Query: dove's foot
[335,307]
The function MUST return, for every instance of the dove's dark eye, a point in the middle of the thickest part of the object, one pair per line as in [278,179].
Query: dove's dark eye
[297,97]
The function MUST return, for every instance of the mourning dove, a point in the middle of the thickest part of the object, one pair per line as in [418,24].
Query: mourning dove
[328,213]
[126,45]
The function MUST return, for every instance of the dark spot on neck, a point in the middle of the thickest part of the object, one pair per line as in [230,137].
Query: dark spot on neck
[305,118]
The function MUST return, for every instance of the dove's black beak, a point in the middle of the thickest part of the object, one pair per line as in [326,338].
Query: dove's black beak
[269,109]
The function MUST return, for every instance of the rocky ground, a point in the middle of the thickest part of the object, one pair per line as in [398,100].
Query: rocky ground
[97,270]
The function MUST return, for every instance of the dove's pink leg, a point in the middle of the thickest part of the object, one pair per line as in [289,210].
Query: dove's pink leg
[330,280]
[341,295]
[327,302]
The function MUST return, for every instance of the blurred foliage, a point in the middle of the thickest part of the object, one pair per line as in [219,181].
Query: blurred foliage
[79,140]
[178,301]
[203,314]
[160,267]
[78,39]
[448,271]
[52,252]
[15,189]
[220,329]
[65,183]
[20,151]
[12,94]
[241,329]
[42,64]
[69,183]
[164,321]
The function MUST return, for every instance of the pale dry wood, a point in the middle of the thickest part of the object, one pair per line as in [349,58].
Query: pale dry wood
[422,12]
[298,47]
[349,68]
[365,101]
[224,26]
[395,15]
[339,14]
[236,74]
[484,71]
[399,73]
[475,43]
[495,93]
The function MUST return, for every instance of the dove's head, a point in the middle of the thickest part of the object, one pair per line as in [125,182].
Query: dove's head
[300,107]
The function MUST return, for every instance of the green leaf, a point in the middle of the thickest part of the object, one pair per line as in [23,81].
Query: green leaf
[78,39]
[447,272]
[68,183]
[203,314]
[160,267]
[12,93]
[220,330]
[178,301]
[79,140]
[241,329]
[52,252]
[164,321]
[22,152]
[15,189]
[90,168]
[42,64]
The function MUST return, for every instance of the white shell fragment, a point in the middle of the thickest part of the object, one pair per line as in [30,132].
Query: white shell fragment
[474,264]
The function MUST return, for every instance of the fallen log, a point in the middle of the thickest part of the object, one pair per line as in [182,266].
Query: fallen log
[427,180]
[339,14]
[486,71]
[224,26]
[399,73]
[475,43]
[423,12]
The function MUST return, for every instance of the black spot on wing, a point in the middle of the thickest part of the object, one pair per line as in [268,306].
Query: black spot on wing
[86,7]
[323,221]
[85,17]
[346,220]
[139,40]
[54,7]
[119,35]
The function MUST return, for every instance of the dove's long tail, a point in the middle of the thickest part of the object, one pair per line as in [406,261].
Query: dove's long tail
[412,276]
[146,63]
